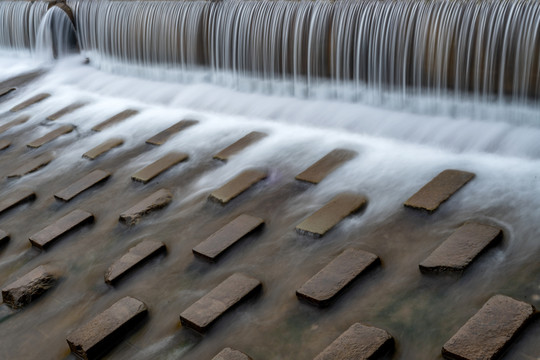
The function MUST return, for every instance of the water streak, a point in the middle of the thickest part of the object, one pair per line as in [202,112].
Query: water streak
[19,23]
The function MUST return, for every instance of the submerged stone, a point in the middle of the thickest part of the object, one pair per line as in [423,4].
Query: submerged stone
[18,121]
[157,200]
[103,148]
[4,237]
[33,165]
[64,111]
[237,185]
[83,184]
[66,129]
[16,198]
[113,120]
[231,354]
[29,102]
[166,162]
[29,287]
[46,237]
[5,91]
[4,144]
[162,137]
[326,165]
[239,145]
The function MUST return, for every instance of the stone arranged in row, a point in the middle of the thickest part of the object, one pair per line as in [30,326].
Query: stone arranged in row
[326,165]
[324,219]
[4,144]
[239,145]
[159,166]
[359,342]
[157,200]
[16,198]
[53,135]
[113,120]
[204,312]
[83,184]
[16,122]
[134,258]
[30,286]
[66,110]
[29,102]
[237,185]
[438,190]
[490,331]
[4,238]
[7,90]
[231,354]
[332,280]
[46,237]
[223,239]
[462,247]
[162,137]
[103,148]
[33,165]
[99,335]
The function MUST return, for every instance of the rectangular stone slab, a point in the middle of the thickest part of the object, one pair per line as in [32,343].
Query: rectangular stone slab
[461,248]
[438,190]
[106,330]
[27,288]
[16,198]
[4,144]
[4,237]
[203,313]
[328,283]
[62,130]
[359,342]
[162,137]
[227,236]
[83,184]
[239,145]
[103,148]
[115,119]
[135,257]
[166,162]
[64,111]
[29,102]
[157,200]
[331,214]
[326,165]
[31,166]
[18,121]
[238,185]
[488,333]
[231,354]
[5,91]
[46,237]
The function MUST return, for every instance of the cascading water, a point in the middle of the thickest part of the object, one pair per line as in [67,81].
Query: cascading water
[19,23]
[56,35]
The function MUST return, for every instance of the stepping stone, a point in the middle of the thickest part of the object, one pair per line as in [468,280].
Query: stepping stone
[331,214]
[215,245]
[328,283]
[239,145]
[18,121]
[135,257]
[489,332]
[326,165]
[4,238]
[103,148]
[163,136]
[29,102]
[359,342]
[29,287]
[238,185]
[115,119]
[461,248]
[62,130]
[231,354]
[438,190]
[157,200]
[16,198]
[4,144]
[203,313]
[67,110]
[31,166]
[151,171]
[6,91]
[103,332]
[92,179]
[46,237]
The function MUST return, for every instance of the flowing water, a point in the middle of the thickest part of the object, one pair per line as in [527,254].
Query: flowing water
[403,83]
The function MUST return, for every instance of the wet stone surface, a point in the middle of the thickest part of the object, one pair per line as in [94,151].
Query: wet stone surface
[83,184]
[46,237]
[29,102]
[64,111]
[162,137]
[30,286]
[115,119]
[237,185]
[4,144]
[159,166]
[239,145]
[487,334]
[326,165]
[51,136]
[103,148]
[4,91]
[18,121]
[156,201]
[16,198]
[231,354]
[33,165]
[4,238]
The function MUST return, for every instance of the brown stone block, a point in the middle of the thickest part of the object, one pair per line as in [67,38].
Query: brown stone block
[115,119]
[103,148]
[326,165]
[227,236]
[461,248]
[4,238]
[24,290]
[4,144]
[438,190]
[157,200]
[62,130]
[238,185]
[83,184]
[31,166]
[203,313]
[328,283]
[231,354]
[29,102]
[45,238]
[16,198]
[239,145]
[331,214]
[5,91]
[162,137]
[489,332]
[134,258]
[64,111]
[166,162]
[106,330]
[18,121]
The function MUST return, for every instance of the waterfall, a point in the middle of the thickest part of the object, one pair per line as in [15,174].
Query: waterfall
[56,35]
[19,23]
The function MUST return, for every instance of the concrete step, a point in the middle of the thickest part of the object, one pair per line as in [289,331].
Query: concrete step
[159,166]
[46,237]
[113,120]
[326,165]
[33,165]
[29,102]
[83,184]
[237,185]
[162,137]
[239,145]
[53,135]
[156,201]
[30,286]
[103,148]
